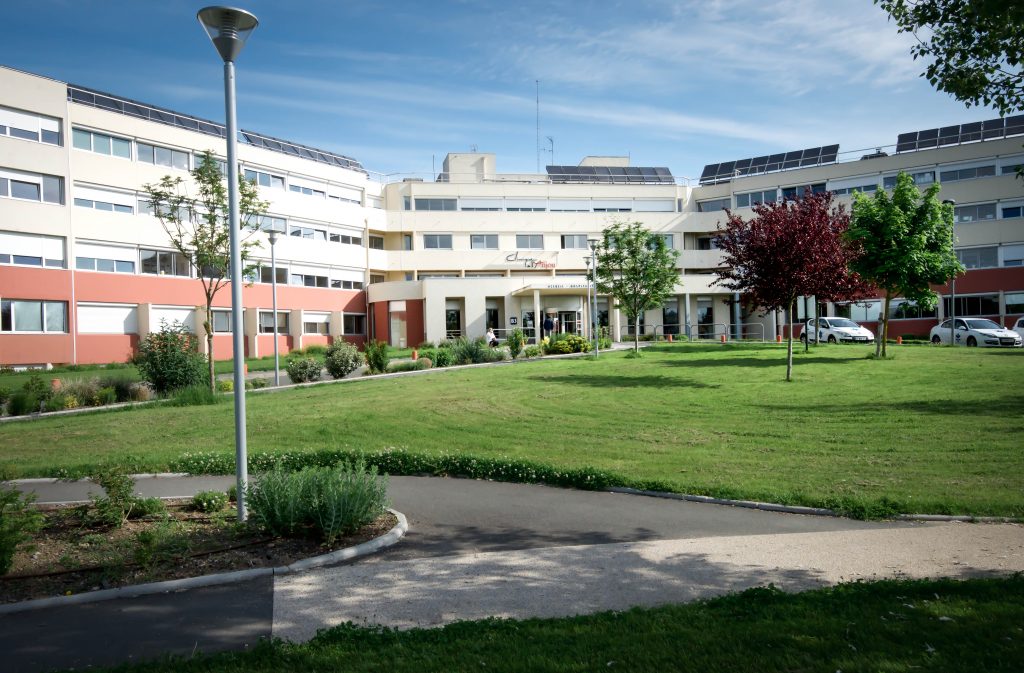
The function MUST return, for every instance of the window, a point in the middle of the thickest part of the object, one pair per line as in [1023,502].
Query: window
[308,232]
[104,205]
[706,243]
[483,241]
[982,304]
[163,156]
[111,259]
[349,284]
[669,240]
[530,241]
[197,159]
[376,278]
[163,263]
[31,186]
[436,204]
[309,280]
[1014,302]
[967,173]
[799,190]
[574,242]
[264,179]
[866,189]
[714,205]
[1011,170]
[222,322]
[268,223]
[101,143]
[978,258]
[406,241]
[267,322]
[267,275]
[925,178]
[316,324]
[29,126]
[904,309]
[347,240]
[1013,255]
[437,241]
[980,211]
[33,316]
[354,324]
[376,242]
[31,250]
[753,198]
[307,191]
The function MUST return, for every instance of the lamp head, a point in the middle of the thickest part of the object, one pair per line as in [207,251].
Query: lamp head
[228,29]
[594,242]
[272,236]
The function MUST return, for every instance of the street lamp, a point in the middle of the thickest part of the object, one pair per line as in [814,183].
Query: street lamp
[597,323]
[588,260]
[228,29]
[272,237]
[952,284]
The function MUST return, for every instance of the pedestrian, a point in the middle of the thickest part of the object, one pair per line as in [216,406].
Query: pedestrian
[491,340]
[548,326]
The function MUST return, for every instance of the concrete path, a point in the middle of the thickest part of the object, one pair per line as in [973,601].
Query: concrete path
[477,549]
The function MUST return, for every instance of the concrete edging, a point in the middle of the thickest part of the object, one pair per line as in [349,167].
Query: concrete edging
[391,537]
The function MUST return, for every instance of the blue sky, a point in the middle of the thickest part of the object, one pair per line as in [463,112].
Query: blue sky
[398,84]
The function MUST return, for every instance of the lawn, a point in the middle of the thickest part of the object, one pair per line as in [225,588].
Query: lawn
[936,626]
[934,429]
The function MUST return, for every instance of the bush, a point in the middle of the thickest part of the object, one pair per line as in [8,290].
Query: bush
[196,396]
[328,501]
[142,507]
[469,351]
[5,395]
[60,401]
[116,505]
[106,396]
[567,343]
[140,392]
[532,352]
[516,340]
[342,359]
[377,357]
[122,387]
[426,346]
[22,403]
[38,388]
[169,359]
[209,501]
[316,349]
[86,391]
[442,357]
[225,385]
[301,370]
[256,384]
[425,363]
[17,519]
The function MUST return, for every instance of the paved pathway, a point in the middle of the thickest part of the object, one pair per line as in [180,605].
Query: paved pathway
[477,548]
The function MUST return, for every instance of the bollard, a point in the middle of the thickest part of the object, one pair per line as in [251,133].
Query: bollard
[55,384]
[778,338]
[415,354]
[670,338]
[899,340]
[723,338]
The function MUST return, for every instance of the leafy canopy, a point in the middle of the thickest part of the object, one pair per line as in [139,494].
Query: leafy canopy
[636,267]
[976,47]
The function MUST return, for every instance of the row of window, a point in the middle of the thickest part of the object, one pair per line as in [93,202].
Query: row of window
[523,241]
[29,126]
[306,279]
[511,205]
[31,186]
[903,309]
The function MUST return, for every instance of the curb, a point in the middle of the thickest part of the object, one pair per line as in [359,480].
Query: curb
[749,504]
[168,586]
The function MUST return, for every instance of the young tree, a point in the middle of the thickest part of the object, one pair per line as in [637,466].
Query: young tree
[199,229]
[789,249]
[906,243]
[637,268]
[976,47]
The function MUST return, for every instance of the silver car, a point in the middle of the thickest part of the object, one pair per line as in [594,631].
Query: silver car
[975,332]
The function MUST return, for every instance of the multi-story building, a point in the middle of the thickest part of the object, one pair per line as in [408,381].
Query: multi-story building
[86,270]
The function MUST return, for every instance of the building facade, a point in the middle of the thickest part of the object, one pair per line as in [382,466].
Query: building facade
[86,270]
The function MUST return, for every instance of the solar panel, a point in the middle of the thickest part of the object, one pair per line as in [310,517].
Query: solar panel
[829,154]
[992,128]
[792,159]
[949,135]
[1015,125]
[611,174]
[969,132]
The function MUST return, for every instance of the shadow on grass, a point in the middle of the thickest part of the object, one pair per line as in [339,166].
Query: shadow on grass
[609,382]
[692,347]
[1001,407]
[799,360]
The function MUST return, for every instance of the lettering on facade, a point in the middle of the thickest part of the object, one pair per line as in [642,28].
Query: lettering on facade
[528,262]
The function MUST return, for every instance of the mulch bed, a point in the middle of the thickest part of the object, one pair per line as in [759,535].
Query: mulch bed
[71,555]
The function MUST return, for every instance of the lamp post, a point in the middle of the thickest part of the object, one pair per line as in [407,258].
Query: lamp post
[228,29]
[952,285]
[272,237]
[589,307]
[597,323]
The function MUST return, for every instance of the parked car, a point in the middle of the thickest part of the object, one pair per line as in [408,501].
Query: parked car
[976,332]
[832,329]
[1018,327]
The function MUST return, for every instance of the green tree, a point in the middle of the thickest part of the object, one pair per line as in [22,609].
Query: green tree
[637,268]
[199,229]
[976,47]
[169,360]
[906,245]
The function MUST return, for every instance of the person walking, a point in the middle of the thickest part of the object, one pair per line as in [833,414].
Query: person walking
[549,325]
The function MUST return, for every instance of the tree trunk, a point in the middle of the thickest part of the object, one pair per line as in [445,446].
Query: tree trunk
[789,342]
[208,326]
[807,335]
[636,333]
[885,320]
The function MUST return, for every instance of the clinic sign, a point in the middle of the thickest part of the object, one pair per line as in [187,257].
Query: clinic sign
[523,262]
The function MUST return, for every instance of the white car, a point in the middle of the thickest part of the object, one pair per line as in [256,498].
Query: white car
[1019,327]
[832,329]
[975,332]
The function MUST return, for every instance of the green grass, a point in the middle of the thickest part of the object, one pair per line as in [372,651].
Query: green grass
[945,626]
[936,430]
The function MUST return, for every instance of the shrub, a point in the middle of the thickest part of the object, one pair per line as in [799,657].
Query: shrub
[329,501]
[532,352]
[426,345]
[116,505]
[225,385]
[195,396]
[442,357]
[209,501]
[86,391]
[469,351]
[5,395]
[17,519]
[516,340]
[106,396]
[169,359]
[22,403]
[377,356]
[342,359]
[140,392]
[301,370]
[121,385]
[425,363]
[142,507]
[60,401]
[316,349]
[256,384]
[567,343]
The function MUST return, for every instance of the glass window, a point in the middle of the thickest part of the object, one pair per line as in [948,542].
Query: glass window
[81,140]
[406,241]
[53,189]
[713,205]
[267,322]
[28,316]
[530,241]
[1014,302]
[1011,211]
[100,143]
[24,190]
[977,305]
[437,241]
[754,198]
[3,187]
[28,260]
[221,321]
[977,258]
[121,148]
[973,213]
[55,313]
[574,242]
[483,241]
[147,261]
[354,324]
[145,153]
[376,243]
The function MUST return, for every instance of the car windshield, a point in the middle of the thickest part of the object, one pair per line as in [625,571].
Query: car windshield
[842,322]
[982,324]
